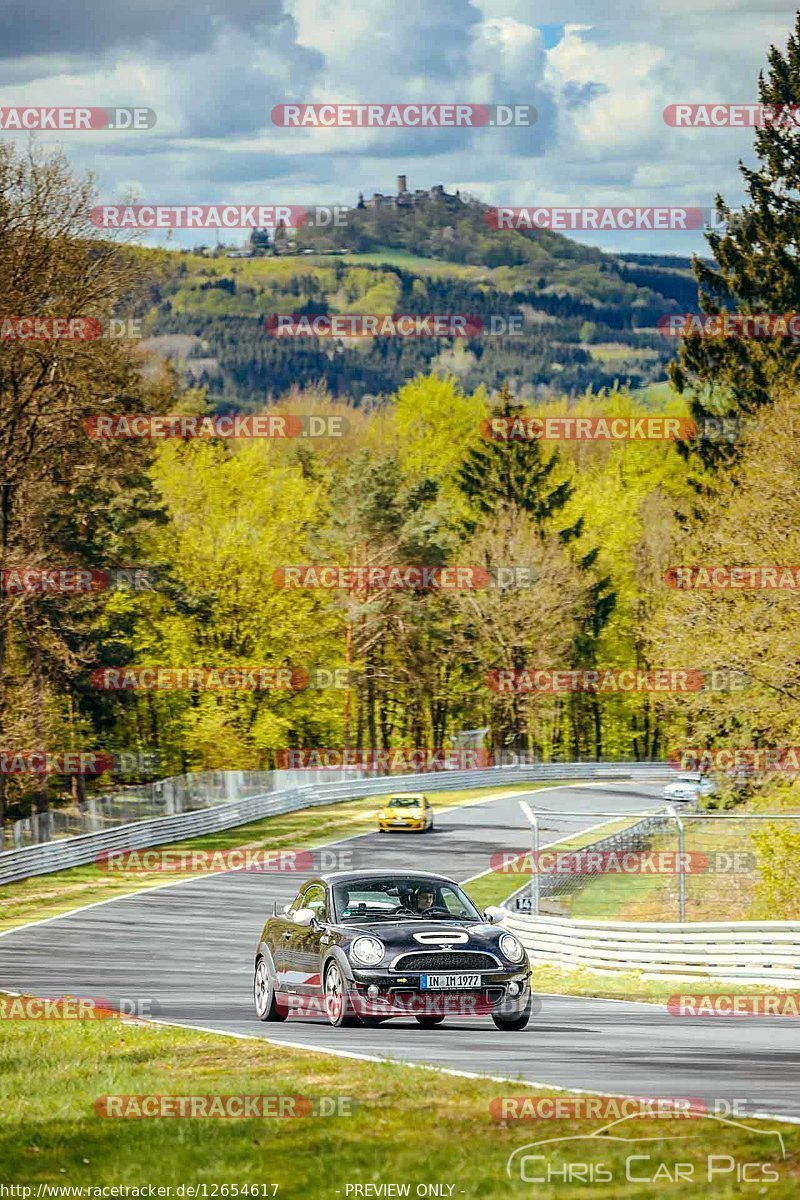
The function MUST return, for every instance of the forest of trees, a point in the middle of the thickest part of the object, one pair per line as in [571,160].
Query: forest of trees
[556,325]
[412,481]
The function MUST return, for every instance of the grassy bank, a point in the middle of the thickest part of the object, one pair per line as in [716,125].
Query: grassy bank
[725,873]
[407,1126]
[719,885]
[630,985]
[646,898]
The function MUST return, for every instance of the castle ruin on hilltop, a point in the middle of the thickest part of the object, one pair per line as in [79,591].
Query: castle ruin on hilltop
[406,199]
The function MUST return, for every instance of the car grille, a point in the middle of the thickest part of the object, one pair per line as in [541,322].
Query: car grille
[446,961]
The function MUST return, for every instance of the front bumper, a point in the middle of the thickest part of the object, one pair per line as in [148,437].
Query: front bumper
[387,825]
[401,994]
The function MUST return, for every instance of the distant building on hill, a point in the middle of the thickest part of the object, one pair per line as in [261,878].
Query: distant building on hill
[403,198]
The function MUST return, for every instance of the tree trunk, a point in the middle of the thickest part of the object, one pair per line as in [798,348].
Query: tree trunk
[598,726]
[42,801]
[5,514]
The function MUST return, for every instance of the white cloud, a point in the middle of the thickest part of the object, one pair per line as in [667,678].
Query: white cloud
[213,73]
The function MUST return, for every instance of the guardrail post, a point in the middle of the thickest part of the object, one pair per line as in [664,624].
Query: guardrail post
[534,820]
[673,816]
[535,866]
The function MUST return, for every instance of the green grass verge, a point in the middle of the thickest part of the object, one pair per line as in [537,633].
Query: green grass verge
[48,895]
[629,985]
[629,897]
[609,352]
[726,893]
[409,1127]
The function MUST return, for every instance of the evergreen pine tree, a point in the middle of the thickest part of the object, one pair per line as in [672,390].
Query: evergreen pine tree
[513,474]
[517,477]
[756,269]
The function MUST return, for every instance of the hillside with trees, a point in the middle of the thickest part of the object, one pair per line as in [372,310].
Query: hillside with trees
[576,318]
[412,480]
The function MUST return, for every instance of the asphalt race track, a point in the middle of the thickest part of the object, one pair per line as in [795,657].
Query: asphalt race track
[188,949]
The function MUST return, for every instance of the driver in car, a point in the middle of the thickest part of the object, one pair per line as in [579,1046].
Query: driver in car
[423,899]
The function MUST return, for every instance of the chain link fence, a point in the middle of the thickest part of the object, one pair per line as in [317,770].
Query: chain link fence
[682,866]
[163,798]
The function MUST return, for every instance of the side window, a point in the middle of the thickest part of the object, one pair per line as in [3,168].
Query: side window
[314,898]
[453,903]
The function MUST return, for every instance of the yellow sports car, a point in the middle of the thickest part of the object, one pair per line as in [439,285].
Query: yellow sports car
[411,811]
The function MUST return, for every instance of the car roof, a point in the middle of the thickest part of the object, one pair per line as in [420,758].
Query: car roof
[374,873]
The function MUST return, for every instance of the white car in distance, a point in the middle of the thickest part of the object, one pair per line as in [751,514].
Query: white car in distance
[689,787]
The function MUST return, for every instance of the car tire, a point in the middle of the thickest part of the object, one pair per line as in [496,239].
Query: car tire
[428,1022]
[518,1021]
[337,1004]
[264,994]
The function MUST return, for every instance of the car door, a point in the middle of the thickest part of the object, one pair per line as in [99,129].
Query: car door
[282,929]
[304,947]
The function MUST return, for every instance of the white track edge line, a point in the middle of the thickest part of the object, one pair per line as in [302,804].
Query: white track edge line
[400,1062]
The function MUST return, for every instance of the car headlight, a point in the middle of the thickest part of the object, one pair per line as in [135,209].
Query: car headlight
[512,948]
[367,950]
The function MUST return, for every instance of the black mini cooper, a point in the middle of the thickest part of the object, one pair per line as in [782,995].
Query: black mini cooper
[360,947]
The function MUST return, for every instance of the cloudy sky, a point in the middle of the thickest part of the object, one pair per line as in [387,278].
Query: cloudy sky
[599,72]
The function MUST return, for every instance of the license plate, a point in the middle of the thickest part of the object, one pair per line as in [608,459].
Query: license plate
[440,982]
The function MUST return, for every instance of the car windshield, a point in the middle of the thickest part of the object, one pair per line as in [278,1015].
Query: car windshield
[403,897]
[689,779]
[405,802]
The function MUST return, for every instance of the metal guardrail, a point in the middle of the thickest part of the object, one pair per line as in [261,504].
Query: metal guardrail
[746,951]
[78,851]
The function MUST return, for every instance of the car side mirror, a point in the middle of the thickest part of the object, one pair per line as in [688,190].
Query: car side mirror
[494,915]
[305,916]
[285,909]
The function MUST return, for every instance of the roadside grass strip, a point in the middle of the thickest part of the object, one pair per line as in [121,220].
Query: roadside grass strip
[387,1123]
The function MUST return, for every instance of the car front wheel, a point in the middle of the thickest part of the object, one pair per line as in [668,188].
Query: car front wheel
[513,1021]
[429,1022]
[265,996]
[337,1002]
